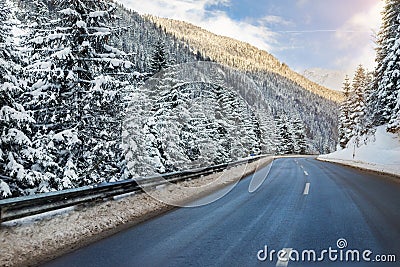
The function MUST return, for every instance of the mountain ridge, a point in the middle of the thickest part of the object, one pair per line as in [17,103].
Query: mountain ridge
[329,78]
[237,54]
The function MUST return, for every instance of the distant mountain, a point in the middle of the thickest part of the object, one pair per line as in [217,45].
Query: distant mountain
[237,54]
[332,79]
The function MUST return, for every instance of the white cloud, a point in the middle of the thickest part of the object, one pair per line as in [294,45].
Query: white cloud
[356,36]
[274,20]
[240,30]
[218,22]
[176,9]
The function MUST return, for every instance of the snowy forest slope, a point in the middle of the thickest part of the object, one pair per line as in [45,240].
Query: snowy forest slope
[287,93]
[92,92]
[240,55]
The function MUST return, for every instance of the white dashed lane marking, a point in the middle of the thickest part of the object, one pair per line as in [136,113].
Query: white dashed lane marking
[307,189]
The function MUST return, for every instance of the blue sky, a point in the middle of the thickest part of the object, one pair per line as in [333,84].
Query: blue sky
[326,34]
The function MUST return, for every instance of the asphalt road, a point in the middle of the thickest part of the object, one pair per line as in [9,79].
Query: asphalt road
[302,205]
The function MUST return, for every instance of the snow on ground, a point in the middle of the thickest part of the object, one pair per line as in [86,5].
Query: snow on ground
[381,153]
[29,242]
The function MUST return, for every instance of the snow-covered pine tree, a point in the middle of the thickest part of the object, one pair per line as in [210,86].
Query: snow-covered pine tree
[285,141]
[394,86]
[188,122]
[394,122]
[35,14]
[142,157]
[47,99]
[368,108]
[387,74]
[344,116]
[17,155]
[256,134]
[223,135]
[357,103]
[158,59]
[76,99]
[299,139]
[266,121]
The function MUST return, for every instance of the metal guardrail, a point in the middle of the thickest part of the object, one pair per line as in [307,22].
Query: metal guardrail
[15,208]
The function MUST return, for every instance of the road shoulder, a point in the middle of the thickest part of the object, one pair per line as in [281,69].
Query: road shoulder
[393,171]
[31,241]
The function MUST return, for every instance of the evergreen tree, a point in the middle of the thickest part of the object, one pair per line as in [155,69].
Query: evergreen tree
[357,104]
[387,74]
[268,132]
[285,137]
[17,155]
[344,117]
[394,123]
[76,97]
[394,74]
[299,139]
[369,108]
[158,60]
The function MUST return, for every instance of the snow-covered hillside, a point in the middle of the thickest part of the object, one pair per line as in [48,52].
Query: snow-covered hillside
[61,123]
[239,55]
[380,152]
[332,79]
[185,117]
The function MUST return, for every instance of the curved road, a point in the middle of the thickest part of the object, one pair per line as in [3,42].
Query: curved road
[302,205]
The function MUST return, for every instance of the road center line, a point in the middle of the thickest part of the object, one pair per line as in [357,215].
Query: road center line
[305,173]
[284,261]
[307,189]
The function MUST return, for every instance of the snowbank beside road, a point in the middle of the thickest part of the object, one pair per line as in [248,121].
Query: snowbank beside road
[381,153]
[29,242]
